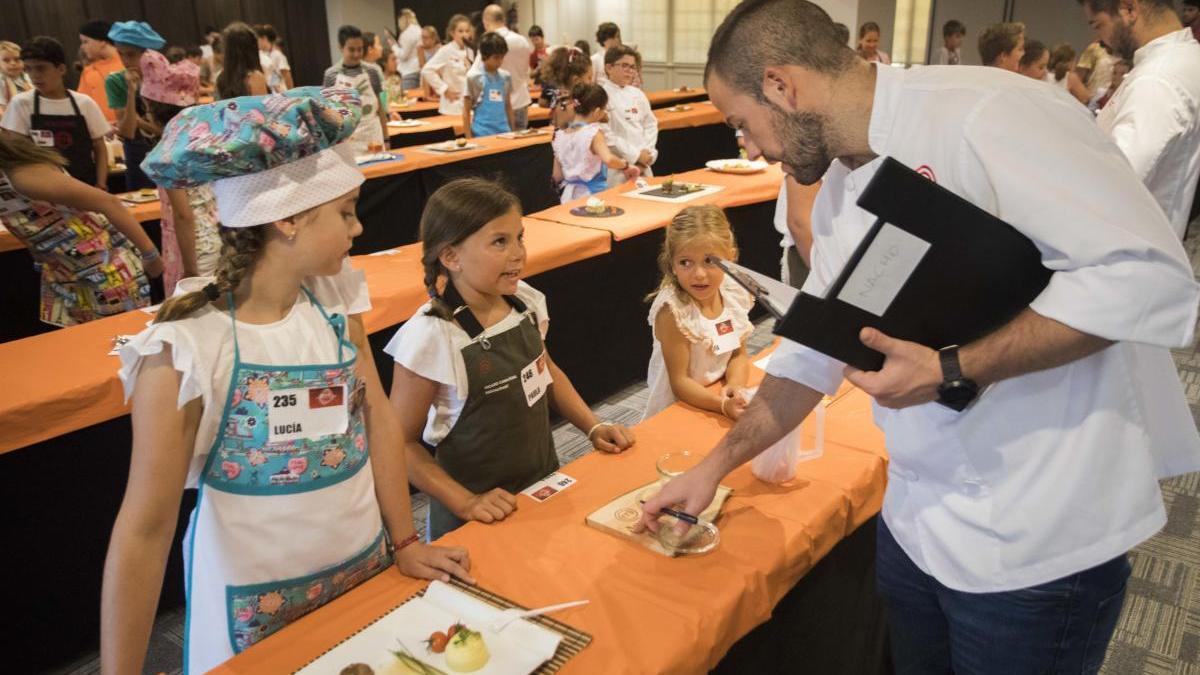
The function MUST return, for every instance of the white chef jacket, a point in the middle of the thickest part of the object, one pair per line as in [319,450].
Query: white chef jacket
[407,44]
[632,124]
[448,70]
[1155,119]
[598,74]
[516,62]
[1052,472]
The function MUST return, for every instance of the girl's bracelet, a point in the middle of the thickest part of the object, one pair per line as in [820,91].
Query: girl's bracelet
[404,543]
[596,426]
[150,256]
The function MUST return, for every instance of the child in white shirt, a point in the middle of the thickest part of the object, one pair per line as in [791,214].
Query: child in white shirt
[632,122]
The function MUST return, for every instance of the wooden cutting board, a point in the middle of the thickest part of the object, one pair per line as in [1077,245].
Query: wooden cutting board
[620,515]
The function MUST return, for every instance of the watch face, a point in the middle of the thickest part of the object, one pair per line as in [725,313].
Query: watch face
[957,394]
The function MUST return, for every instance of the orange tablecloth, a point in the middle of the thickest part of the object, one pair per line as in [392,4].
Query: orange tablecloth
[699,115]
[69,383]
[648,613]
[643,216]
[669,96]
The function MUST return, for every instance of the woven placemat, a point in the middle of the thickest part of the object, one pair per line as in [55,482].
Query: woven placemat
[573,641]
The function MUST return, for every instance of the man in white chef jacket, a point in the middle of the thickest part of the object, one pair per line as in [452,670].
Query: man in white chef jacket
[516,62]
[1002,542]
[1154,117]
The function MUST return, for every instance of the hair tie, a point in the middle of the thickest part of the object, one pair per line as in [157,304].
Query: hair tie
[212,292]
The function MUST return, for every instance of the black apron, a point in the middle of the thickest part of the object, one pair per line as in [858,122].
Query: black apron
[499,440]
[135,150]
[69,135]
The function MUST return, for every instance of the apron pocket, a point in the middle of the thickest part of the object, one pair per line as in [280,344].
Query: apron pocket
[255,611]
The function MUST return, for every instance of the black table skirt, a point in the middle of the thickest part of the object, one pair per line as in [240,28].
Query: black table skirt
[689,148]
[419,138]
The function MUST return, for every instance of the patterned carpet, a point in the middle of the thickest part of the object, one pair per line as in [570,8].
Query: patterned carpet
[1159,630]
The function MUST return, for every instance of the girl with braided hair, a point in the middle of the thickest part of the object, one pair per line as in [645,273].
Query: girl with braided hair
[581,154]
[472,376]
[257,387]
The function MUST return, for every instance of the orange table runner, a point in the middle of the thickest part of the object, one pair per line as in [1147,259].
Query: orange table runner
[670,96]
[643,216]
[648,613]
[70,383]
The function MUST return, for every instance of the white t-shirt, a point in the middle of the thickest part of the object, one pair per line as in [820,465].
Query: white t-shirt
[19,112]
[407,44]
[202,346]
[432,348]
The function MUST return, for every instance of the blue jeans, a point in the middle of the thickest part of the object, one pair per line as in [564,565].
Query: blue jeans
[411,80]
[1058,627]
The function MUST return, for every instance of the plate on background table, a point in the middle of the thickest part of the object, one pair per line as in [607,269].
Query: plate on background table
[608,212]
[402,124]
[512,135]
[738,166]
[377,157]
[679,108]
[452,146]
[143,196]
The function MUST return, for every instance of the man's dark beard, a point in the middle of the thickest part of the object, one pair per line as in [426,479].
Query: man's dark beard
[804,138]
[1123,44]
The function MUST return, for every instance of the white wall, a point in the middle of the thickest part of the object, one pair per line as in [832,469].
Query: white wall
[372,15]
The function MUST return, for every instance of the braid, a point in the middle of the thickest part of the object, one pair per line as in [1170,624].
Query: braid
[433,270]
[242,246]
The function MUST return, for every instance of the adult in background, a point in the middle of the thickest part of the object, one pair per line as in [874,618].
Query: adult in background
[608,35]
[102,61]
[137,132]
[868,44]
[516,62]
[1154,116]
[1001,547]
[408,48]
[1002,45]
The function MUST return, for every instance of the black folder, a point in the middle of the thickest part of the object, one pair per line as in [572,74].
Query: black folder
[976,274]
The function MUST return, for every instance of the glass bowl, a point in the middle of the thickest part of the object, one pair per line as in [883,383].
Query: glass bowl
[699,538]
[674,464]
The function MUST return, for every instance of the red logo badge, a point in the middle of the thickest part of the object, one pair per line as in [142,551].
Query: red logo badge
[927,171]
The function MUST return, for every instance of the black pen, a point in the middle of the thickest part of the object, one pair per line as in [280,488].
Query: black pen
[685,517]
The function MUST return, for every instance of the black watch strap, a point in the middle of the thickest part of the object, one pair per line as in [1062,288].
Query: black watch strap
[951,370]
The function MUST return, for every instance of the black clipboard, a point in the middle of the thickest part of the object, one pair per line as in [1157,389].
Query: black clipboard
[977,273]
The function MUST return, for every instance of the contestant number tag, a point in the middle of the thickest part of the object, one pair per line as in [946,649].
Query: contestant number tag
[42,137]
[307,412]
[724,337]
[535,379]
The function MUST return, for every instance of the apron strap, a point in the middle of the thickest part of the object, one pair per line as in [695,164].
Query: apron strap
[465,317]
[37,102]
[75,106]
[336,321]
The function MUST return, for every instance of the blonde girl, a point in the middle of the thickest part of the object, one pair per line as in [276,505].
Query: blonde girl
[699,318]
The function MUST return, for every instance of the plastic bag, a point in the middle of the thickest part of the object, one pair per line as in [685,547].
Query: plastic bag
[777,464]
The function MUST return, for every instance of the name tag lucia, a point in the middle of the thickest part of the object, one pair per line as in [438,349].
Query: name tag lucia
[307,412]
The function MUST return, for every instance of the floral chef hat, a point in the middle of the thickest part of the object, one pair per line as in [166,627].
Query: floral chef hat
[267,157]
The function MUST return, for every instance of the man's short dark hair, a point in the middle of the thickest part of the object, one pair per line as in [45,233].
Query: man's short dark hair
[210,29]
[349,32]
[1110,7]
[1192,3]
[193,51]
[536,30]
[614,54]
[954,27]
[607,31]
[997,39]
[491,44]
[1034,49]
[44,48]
[762,33]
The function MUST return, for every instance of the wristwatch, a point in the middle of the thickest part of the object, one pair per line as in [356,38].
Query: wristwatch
[955,392]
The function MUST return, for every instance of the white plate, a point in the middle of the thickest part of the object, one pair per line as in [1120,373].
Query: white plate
[724,166]
[407,123]
[517,650]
